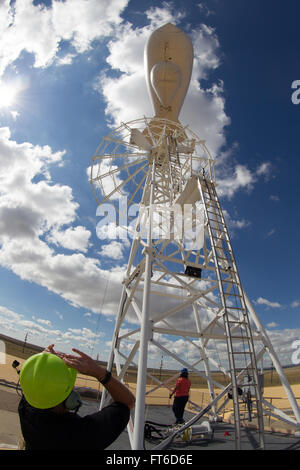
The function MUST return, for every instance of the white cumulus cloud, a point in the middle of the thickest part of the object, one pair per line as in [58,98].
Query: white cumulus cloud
[39,30]
[262,301]
[73,238]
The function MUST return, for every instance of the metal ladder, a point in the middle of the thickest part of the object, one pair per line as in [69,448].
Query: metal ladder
[235,317]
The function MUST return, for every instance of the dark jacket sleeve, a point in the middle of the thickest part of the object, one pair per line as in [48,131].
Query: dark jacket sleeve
[103,427]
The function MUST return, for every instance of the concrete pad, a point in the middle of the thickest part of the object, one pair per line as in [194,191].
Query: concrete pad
[10,430]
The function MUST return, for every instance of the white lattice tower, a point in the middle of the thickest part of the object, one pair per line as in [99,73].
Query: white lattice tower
[182,280]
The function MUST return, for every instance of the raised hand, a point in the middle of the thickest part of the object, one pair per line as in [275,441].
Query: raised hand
[83,364]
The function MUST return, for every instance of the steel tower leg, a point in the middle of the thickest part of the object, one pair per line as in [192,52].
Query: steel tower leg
[138,434]
[275,360]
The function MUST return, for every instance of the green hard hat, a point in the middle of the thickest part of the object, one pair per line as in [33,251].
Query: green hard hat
[46,380]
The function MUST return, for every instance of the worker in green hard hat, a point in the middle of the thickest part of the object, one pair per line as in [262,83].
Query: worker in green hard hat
[45,410]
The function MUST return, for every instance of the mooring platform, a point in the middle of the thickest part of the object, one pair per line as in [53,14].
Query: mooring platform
[223,437]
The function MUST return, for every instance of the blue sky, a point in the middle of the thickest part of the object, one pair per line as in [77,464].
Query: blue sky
[70,70]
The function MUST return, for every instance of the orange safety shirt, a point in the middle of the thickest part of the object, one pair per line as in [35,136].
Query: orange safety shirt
[182,387]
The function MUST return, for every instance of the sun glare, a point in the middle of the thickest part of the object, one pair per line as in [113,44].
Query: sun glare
[7,95]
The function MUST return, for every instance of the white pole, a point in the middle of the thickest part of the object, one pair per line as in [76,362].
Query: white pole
[139,418]
[120,314]
[114,345]
[275,360]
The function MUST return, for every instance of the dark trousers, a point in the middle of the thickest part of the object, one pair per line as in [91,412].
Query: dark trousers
[178,407]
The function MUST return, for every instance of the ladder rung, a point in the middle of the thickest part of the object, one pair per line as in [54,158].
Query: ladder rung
[211,208]
[238,322]
[220,247]
[223,259]
[224,248]
[241,338]
[215,211]
[206,192]
[217,221]
[211,203]
[230,282]
[241,352]
[219,238]
[235,308]
[207,199]
[227,251]
[237,334]
[220,228]
[227,271]
[248,385]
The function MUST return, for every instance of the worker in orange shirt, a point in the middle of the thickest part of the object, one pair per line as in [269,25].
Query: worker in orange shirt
[181,392]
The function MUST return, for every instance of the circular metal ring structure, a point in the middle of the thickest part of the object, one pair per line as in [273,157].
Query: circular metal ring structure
[123,160]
